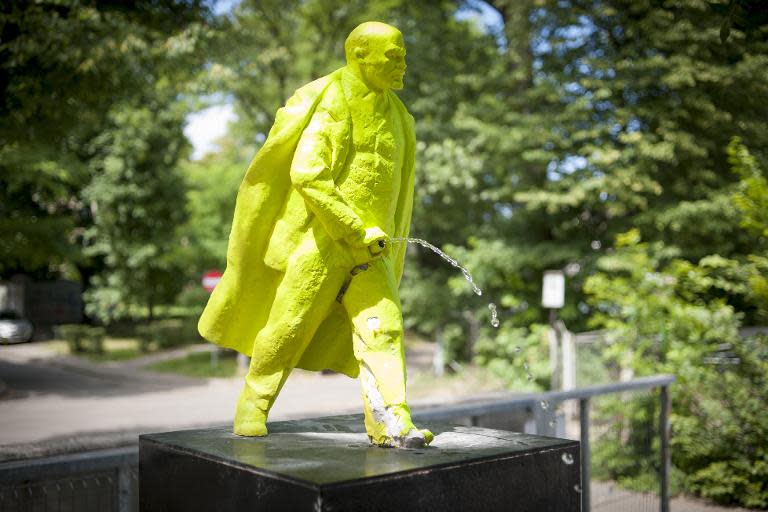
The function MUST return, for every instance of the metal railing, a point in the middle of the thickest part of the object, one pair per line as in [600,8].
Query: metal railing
[584,395]
[61,482]
[98,481]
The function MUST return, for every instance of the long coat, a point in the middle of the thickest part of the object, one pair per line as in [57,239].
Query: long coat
[239,305]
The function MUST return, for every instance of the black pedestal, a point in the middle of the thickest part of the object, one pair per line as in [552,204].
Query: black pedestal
[327,464]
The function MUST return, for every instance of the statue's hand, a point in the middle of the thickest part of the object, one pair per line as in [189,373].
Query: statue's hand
[376,240]
[368,244]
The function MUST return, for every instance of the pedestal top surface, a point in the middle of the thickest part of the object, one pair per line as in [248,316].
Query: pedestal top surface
[336,449]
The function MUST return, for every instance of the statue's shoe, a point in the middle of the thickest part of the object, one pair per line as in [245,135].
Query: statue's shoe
[250,428]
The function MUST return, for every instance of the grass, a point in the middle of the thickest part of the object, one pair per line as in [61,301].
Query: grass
[115,349]
[125,354]
[199,365]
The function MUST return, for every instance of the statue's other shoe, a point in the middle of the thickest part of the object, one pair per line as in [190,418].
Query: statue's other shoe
[414,439]
[250,420]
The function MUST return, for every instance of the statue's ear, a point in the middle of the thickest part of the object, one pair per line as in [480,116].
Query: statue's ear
[359,53]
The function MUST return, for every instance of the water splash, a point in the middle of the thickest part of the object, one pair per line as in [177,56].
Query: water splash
[447,258]
[577,488]
[494,314]
[544,405]
[567,458]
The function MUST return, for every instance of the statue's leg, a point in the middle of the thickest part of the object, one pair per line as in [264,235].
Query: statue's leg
[373,305]
[302,301]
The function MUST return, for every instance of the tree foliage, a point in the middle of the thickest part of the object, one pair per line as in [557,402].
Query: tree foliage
[668,314]
[90,138]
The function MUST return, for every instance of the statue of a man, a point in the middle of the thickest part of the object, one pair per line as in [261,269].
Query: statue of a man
[311,279]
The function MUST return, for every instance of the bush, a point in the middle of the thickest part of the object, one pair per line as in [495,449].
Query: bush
[168,333]
[721,428]
[667,315]
[82,338]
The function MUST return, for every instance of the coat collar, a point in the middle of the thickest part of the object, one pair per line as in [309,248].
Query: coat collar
[355,88]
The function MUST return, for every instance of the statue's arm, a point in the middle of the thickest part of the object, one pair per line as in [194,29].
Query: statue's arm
[312,176]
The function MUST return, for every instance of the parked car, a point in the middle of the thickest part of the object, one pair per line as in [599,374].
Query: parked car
[14,329]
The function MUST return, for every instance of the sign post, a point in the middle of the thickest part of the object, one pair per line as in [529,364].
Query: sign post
[553,298]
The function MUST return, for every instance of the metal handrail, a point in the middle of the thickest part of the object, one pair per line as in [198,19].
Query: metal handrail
[481,408]
[63,465]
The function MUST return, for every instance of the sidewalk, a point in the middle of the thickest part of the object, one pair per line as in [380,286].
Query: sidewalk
[53,396]
[57,402]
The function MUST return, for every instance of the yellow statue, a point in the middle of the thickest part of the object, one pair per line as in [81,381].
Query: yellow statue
[311,279]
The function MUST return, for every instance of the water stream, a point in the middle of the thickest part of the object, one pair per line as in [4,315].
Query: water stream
[454,263]
[447,258]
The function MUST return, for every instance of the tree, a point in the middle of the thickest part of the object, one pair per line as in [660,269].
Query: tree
[212,185]
[667,314]
[137,201]
[593,118]
[66,68]
[751,199]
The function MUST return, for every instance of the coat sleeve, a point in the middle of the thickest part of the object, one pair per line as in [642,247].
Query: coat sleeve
[312,176]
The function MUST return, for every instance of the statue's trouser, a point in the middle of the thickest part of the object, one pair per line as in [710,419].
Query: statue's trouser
[373,306]
[305,296]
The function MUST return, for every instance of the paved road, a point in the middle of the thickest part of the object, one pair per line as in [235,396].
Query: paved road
[52,396]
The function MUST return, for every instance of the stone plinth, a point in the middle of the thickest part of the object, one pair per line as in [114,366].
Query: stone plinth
[327,464]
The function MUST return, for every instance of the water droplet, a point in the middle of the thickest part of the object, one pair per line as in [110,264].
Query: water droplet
[494,314]
[544,405]
[525,365]
[552,423]
[577,488]
[567,458]
[518,350]
[530,377]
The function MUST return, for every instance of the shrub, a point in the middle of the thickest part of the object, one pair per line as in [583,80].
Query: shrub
[168,333]
[667,315]
[82,338]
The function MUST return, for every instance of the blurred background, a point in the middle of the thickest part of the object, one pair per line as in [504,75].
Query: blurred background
[617,145]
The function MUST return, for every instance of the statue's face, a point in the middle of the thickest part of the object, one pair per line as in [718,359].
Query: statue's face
[384,65]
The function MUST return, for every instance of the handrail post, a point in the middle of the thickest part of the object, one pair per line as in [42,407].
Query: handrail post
[124,489]
[586,464]
[664,432]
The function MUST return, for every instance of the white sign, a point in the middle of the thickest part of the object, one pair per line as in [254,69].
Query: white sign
[553,289]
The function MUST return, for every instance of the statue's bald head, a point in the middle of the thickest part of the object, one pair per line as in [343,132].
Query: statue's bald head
[376,53]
